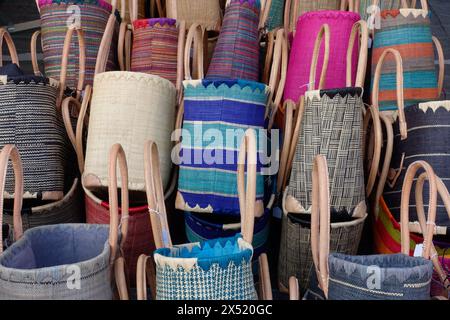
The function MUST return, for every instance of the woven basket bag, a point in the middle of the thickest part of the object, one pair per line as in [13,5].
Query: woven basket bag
[312,137]
[207,186]
[30,271]
[55,15]
[345,277]
[224,273]
[363,6]
[29,112]
[408,31]
[236,54]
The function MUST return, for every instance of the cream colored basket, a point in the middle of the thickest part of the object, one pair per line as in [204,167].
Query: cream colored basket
[129,108]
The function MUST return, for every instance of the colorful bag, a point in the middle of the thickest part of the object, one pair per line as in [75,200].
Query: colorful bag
[363,7]
[30,271]
[296,8]
[308,25]
[345,277]
[218,269]
[209,185]
[157,48]
[408,31]
[236,55]
[94,15]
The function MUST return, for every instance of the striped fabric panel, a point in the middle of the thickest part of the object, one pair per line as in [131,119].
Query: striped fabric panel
[54,19]
[411,36]
[331,126]
[210,113]
[428,140]
[28,119]
[236,54]
[384,5]
[155,46]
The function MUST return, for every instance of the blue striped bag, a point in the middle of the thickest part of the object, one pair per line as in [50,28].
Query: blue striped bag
[216,115]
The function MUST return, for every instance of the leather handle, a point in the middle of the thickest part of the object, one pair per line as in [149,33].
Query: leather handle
[145,273]
[195,35]
[264,15]
[294,139]
[264,281]
[441,60]
[400,99]
[4,35]
[428,227]
[122,8]
[10,152]
[373,113]
[117,155]
[121,46]
[65,62]
[120,279]
[105,45]
[289,107]
[320,221]
[155,196]
[294,289]
[76,138]
[33,50]
[445,196]
[324,34]
[247,194]
[180,60]
[277,80]
[270,44]
[360,26]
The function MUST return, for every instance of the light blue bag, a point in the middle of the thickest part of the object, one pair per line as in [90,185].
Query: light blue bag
[65,261]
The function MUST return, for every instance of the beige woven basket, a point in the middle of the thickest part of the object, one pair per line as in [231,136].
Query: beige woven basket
[129,108]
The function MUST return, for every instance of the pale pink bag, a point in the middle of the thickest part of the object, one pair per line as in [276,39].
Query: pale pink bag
[308,25]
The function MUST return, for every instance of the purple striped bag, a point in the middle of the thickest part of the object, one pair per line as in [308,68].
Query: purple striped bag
[236,55]
[55,16]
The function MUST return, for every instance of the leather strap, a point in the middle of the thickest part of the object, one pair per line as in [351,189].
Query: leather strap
[10,152]
[323,32]
[4,35]
[400,99]
[320,221]
[34,59]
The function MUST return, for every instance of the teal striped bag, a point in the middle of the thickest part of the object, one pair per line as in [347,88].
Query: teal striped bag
[216,115]
[276,15]
[409,32]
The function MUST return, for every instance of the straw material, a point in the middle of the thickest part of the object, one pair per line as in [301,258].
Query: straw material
[54,17]
[408,31]
[232,106]
[141,8]
[276,15]
[205,12]
[331,126]
[218,275]
[428,140]
[67,210]
[295,257]
[139,238]
[129,108]
[384,5]
[28,114]
[200,228]
[155,48]
[308,26]
[305,6]
[236,55]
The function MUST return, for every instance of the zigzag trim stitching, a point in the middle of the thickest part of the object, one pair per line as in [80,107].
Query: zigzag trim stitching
[328,14]
[434,105]
[393,294]
[136,76]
